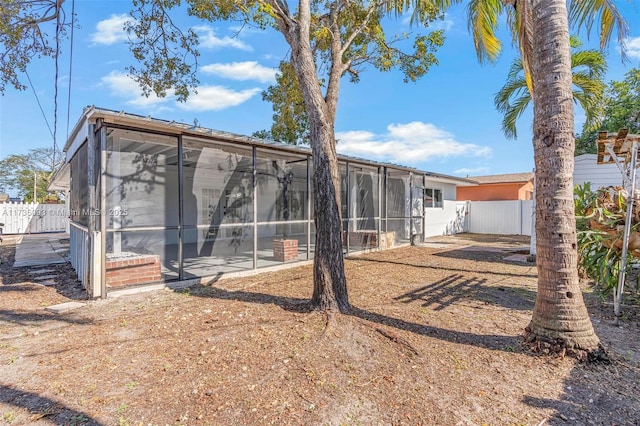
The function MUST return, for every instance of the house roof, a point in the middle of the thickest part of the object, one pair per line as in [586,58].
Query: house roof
[92,114]
[505,178]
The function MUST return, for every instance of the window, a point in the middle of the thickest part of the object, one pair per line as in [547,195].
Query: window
[432,197]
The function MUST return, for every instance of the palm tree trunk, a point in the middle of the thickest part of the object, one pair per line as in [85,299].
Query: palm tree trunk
[560,315]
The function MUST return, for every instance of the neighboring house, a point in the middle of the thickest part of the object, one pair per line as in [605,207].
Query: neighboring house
[587,169]
[153,201]
[4,198]
[513,186]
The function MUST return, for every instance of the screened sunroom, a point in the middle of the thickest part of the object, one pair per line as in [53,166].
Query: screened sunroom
[158,202]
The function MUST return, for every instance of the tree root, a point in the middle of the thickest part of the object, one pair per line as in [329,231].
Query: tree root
[397,339]
[329,324]
[560,348]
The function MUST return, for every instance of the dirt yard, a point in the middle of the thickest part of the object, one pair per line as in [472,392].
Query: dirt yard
[434,338]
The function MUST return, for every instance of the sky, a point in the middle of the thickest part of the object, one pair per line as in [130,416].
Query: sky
[444,123]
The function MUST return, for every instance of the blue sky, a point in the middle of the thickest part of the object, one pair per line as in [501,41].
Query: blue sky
[444,123]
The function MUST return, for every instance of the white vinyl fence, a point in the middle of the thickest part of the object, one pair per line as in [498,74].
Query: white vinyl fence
[21,218]
[500,217]
[79,251]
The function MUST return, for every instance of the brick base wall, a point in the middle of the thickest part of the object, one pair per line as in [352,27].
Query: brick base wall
[369,239]
[130,270]
[285,250]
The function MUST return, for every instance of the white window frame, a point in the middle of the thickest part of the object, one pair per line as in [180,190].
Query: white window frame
[431,201]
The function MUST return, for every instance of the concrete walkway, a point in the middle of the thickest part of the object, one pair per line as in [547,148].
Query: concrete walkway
[41,249]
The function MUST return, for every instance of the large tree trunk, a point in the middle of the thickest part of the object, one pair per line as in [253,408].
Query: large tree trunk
[560,314]
[329,281]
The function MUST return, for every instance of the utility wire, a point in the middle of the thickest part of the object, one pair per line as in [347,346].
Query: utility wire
[39,104]
[73,16]
[55,86]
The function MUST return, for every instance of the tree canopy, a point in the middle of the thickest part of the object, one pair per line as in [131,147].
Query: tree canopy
[21,171]
[342,32]
[290,123]
[620,108]
[23,37]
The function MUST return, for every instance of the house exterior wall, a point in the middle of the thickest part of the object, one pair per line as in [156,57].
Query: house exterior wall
[526,191]
[448,220]
[441,220]
[587,169]
[448,189]
[496,192]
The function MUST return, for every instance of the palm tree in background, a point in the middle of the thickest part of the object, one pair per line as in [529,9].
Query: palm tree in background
[540,28]
[588,70]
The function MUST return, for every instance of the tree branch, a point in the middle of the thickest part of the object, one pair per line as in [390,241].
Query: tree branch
[347,43]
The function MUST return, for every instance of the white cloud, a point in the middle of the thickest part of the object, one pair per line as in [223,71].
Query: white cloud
[477,171]
[123,86]
[409,144]
[633,47]
[208,39]
[214,98]
[249,70]
[208,98]
[111,30]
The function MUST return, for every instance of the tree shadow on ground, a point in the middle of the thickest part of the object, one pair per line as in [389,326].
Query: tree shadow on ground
[24,318]
[469,237]
[596,394]
[42,408]
[455,288]
[18,288]
[441,268]
[479,253]
[488,341]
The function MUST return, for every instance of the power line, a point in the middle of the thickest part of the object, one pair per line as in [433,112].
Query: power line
[39,104]
[73,16]
[55,86]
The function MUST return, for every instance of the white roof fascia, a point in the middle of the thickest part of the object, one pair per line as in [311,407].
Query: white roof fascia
[78,139]
[452,180]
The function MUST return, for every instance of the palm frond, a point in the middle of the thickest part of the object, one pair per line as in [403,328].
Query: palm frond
[513,88]
[588,67]
[592,60]
[483,23]
[519,19]
[586,83]
[518,107]
[516,69]
[587,12]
